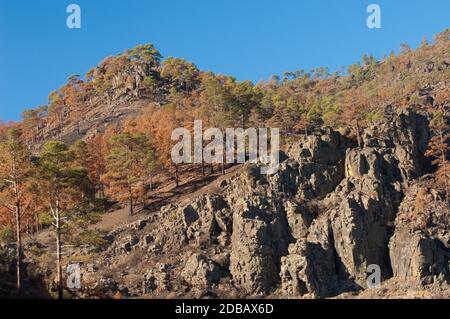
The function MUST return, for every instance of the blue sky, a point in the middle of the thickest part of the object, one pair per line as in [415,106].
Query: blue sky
[250,39]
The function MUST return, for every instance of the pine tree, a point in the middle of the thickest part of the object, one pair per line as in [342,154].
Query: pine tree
[62,186]
[129,162]
[183,74]
[15,172]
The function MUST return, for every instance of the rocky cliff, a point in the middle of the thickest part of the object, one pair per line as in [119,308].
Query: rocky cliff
[314,229]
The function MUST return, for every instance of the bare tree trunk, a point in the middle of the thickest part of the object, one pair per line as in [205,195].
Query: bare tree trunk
[18,230]
[58,251]
[130,198]
[18,248]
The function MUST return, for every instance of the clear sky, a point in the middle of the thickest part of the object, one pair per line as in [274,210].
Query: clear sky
[250,39]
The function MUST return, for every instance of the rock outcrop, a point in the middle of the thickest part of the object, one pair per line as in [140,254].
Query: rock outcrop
[420,246]
[201,271]
[259,240]
[313,229]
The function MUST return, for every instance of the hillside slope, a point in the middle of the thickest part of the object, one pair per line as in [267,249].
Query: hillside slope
[311,230]
[363,184]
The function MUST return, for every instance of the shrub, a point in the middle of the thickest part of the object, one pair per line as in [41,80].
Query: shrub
[92,238]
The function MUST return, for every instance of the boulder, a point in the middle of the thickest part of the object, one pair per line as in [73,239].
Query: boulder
[418,258]
[200,271]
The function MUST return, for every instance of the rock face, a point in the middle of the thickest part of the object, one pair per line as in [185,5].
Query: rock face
[319,164]
[357,191]
[310,267]
[360,225]
[200,270]
[312,229]
[419,258]
[259,240]
[420,246]
[405,136]
[362,208]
